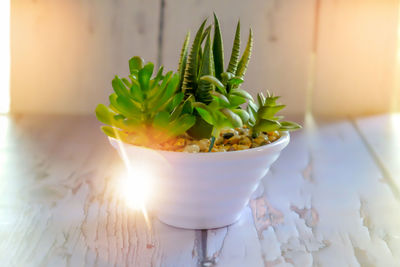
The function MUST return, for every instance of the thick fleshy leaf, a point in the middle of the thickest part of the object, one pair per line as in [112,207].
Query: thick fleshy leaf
[135,64]
[234,60]
[235,120]
[205,114]
[119,87]
[267,126]
[268,112]
[136,92]
[223,100]
[145,76]
[235,81]
[161,120]
[242,93]
[213,80]
[236,100]
[289,126]
[182,124]
[218,49]
[127,108]
[243,114]
[104,114]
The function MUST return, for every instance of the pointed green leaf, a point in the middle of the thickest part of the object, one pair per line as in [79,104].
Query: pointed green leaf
[235,81]
[244,61]
[183,60]
[234,60]
[207,68]
[161,120]
[191,72]
[218,49]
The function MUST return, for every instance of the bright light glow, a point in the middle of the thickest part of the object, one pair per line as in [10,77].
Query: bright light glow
[5,56]
[135,188]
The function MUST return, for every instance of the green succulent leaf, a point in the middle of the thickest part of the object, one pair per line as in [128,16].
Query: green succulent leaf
[267,112]
[234,119]
[267,126]
[289,126]
[243,114]
[244,60]
[161,120]
[207,68]
[235,81]
[218,49]
[104,114]
[242,93]
[135,64]
[205,114]
[183,59]
[145,75]
[223,100]
[213,80]
[119,87]
[182,124]
[191,72]
[236,100]
[261,99]
[234,60]
[135,92]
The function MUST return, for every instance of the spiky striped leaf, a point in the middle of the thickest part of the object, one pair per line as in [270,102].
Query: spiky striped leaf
[244,61]
[191,72]
[183,59]
[207,68]
[234,60]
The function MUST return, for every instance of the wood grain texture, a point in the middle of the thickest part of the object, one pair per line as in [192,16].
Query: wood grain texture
[65,53]
[282,41]
[382,135]
[325,203]
[356,57]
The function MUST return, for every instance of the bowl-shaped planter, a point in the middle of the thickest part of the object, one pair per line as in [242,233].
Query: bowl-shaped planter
[203,190]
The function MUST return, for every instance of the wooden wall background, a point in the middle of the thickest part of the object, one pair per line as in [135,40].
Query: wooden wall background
[336,58]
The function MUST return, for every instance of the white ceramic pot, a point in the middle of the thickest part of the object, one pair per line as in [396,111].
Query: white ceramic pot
[202,190]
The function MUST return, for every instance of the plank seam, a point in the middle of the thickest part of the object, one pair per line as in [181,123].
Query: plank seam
[388,179]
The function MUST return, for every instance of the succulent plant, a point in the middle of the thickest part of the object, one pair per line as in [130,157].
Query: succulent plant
[216,93]
[145,110]
[263,116]
[201,99]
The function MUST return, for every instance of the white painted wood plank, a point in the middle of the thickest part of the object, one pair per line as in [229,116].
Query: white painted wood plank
[356,57]
[65,53]
[73,215]
[382,133]
[282,41]
[324,205]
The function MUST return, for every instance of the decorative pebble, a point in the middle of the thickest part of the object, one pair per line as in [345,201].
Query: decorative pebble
[192,149]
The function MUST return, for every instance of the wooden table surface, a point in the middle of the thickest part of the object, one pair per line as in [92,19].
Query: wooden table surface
[331,199]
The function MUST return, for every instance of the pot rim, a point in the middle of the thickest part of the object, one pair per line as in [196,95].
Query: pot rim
[277,145]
